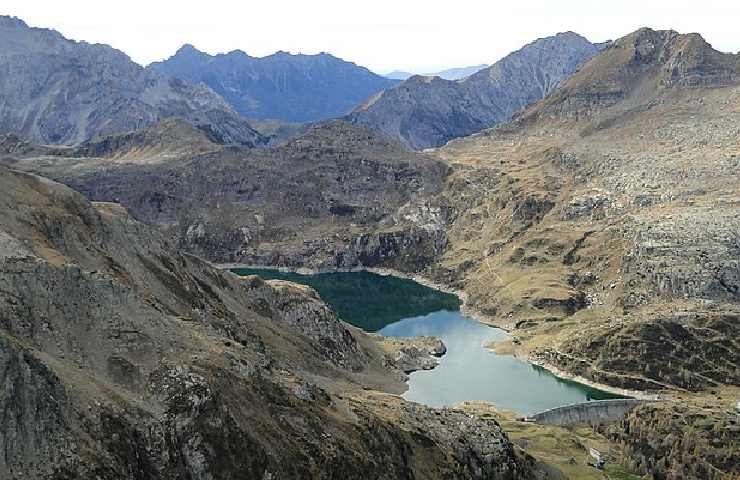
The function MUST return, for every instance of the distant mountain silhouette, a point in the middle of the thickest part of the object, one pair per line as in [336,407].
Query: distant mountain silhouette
[448,74]
[55,90]
[282,86]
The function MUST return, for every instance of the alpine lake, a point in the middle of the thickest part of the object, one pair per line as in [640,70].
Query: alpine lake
[469,371]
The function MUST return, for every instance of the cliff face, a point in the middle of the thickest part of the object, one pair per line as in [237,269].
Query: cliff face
[291,88]
[122,358]
[427,112]
[55,90]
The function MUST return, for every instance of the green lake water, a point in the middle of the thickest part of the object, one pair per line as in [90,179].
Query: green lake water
[468,371]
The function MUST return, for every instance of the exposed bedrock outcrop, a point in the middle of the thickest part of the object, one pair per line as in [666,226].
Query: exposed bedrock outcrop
[300,307]
[690,253]
[412,354]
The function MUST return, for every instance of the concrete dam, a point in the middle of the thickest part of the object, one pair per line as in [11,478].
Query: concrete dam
[594,413]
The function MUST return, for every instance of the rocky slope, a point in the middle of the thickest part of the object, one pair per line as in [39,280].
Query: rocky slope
[55,90]
[290,88]
[675,441]
[602,222]
[429,111]
[600,225]
[122,358]
[340,194]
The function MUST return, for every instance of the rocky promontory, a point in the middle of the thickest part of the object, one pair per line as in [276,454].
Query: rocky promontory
[413,353]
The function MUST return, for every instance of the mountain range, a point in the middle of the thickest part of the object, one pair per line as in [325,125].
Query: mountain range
[601,225]
[426,112]
[596,220]
[94,90]
[290,88]
[55,90]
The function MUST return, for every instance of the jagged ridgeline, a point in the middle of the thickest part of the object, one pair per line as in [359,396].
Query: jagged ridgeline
[285,87]
[83,90]
[427,111]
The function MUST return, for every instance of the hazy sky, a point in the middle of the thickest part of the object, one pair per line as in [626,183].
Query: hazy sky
[415,35]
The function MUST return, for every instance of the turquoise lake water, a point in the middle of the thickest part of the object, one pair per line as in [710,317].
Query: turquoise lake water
[468,371]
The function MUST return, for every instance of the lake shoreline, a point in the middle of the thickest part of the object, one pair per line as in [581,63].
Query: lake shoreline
[465,309]
[636,394]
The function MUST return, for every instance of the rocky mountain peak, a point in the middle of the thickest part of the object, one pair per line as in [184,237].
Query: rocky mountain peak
[7,21]
[83,90]
[429,111]
[570,34]
[647,43]
[188,50]
[238,54]
[634,70]
[281,86]
[681,59]
[17,38]
[560,38]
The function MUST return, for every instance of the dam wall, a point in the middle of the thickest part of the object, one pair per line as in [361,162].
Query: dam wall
[594,413]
